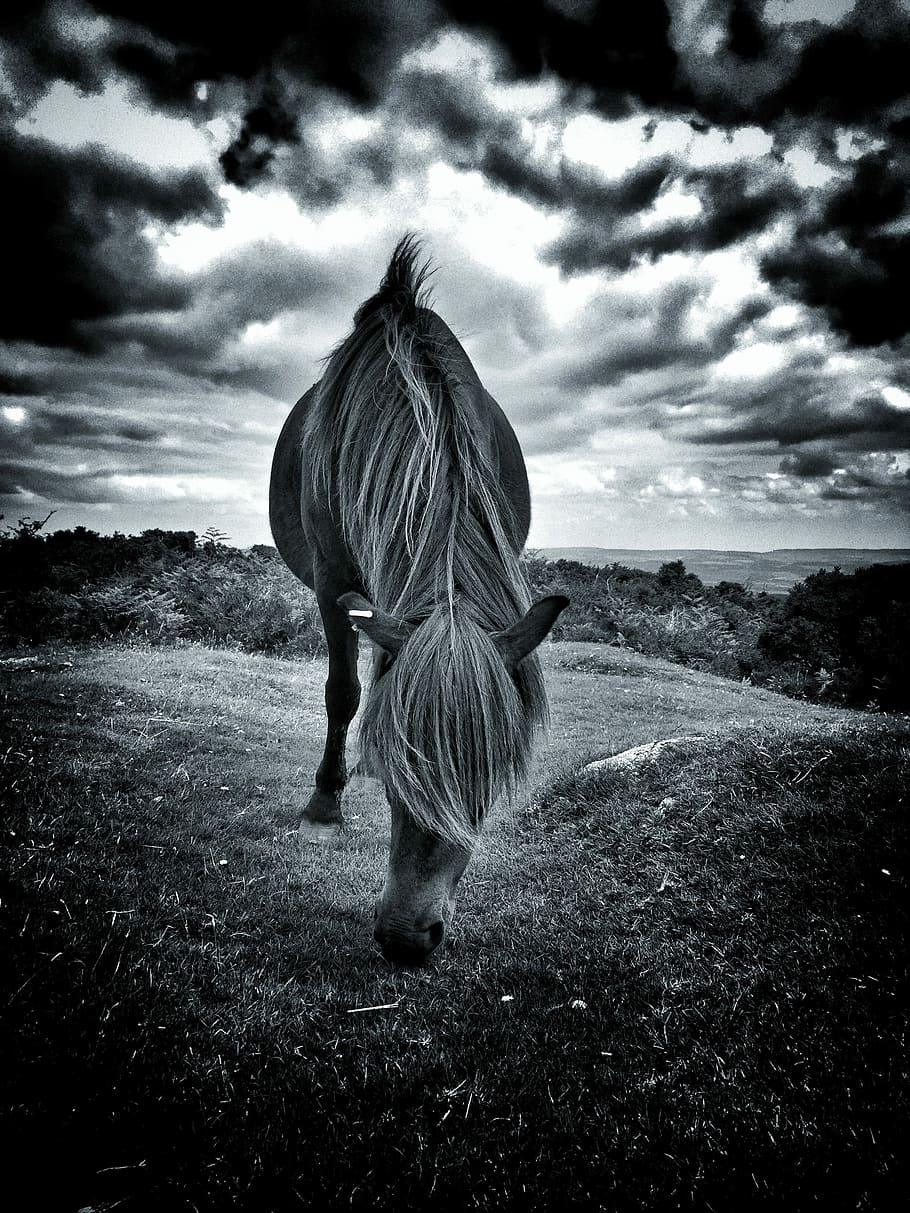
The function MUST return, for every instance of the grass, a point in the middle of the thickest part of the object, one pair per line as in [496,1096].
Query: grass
[682,986]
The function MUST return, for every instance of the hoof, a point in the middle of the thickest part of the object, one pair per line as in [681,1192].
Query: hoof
[317,832]
[321,819]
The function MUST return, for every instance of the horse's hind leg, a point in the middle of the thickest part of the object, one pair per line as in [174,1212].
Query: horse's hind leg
[322,816]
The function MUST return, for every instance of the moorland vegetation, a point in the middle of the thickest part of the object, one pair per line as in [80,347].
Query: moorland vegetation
[834,638]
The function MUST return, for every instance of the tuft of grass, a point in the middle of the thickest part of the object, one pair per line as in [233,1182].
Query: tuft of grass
[678,986]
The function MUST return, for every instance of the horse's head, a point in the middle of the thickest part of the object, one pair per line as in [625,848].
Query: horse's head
[447,728]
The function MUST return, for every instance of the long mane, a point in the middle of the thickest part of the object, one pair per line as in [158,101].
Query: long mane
[409,465]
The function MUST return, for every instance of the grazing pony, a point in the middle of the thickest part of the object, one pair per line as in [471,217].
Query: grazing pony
[399,494]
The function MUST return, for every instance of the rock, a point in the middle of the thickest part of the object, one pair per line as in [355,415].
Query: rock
[640,755]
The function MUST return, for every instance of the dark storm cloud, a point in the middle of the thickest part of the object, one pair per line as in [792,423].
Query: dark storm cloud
[72,428]
[108,372]
[254,284]
[457,109]
[746,36]
[619,56]
[172,50]
[807,465]
[14,383]
[631,54]
[849,73]
[863,292]
[346,45]
[796,86]
[283,61]
[136,432]
[39,51]
[793,408]
[74,244]
[853,258]
[737,202]
[351,47]
[651,334]
[84,211]
[51,484]
[572,185]
[788,75]
[266,125]
[876,478]
[876,194]
[481,138]
[797,83]
[621,52]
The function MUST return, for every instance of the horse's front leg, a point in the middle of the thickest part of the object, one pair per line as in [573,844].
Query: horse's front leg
[322,817]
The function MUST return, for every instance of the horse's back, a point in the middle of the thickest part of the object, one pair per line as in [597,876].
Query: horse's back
[285,515]
[504,449]
[513,475]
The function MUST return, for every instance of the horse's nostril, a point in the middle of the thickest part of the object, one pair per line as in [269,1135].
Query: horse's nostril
[409,948]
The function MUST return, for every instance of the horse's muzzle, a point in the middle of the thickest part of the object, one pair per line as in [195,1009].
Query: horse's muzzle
[411,948]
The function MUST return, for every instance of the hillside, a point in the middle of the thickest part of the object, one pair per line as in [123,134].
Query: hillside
[658,978]
[774,572]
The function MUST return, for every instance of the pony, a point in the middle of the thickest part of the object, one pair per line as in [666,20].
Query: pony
[399,495]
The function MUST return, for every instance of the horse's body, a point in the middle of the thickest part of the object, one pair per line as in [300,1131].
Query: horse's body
[399,495]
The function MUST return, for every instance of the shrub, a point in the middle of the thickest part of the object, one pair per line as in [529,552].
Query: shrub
[668,614]
[33,616]
[254,604]
[161,586]
[843,638]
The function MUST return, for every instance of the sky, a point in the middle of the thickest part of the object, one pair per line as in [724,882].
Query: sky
[673,236]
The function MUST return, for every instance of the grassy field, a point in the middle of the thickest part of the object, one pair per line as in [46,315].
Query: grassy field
[679,986]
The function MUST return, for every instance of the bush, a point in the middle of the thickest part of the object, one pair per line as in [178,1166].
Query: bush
[160,586]
[668,614]
[255,605]
[33,616]
[842,638]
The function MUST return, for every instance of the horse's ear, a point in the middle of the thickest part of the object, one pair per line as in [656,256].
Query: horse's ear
[523,637]
[385,630]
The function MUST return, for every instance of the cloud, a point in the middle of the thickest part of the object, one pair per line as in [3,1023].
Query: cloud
[735,202]
[189,59]
[600,205]
[345,45]
[253,284]
[792,408]
[29,428]
[746,35]
[621,53]
[865,58]
[738,62]
[76,248]
[107,486]
[44,43]
[561,477]
[807,465]
[453,104]
[675,483]
[852,258]
[877,477]
[654,331]
[268,123]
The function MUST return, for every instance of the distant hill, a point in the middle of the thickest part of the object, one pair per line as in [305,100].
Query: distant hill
[775,571]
